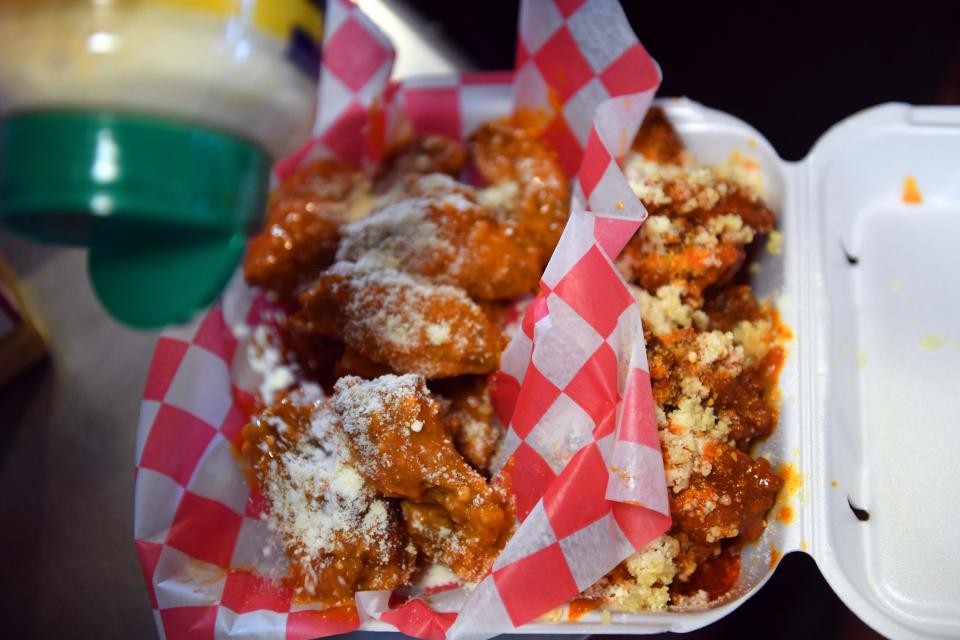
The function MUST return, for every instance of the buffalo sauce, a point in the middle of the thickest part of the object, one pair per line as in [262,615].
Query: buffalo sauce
[580,607]
[716,575]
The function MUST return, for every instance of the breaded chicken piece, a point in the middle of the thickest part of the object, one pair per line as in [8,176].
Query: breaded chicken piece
[658,141]
[448,238]
[352,363]
[731,501]
[468,414]
[699,224]
[395,429]
[301,234]
[736,391]
[695,267]
[536,191]
[420,155]
[697,231]
[401,321]
[304,469]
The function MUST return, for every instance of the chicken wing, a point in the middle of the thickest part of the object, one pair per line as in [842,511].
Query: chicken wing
[351,363]
[468,414]
[658,141]
[395,430]
[419,156]
[534,191]
[729,502]
[339,536]
[301,233]
[697,231]
[447,237]
[699,224]
[402,321]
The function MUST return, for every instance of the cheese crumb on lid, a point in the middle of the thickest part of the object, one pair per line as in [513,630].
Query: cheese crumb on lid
[775,243]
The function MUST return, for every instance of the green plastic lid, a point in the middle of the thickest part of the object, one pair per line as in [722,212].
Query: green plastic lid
[163,206]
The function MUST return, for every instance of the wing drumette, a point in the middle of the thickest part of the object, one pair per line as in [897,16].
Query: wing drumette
[303,468]
[468,414]
[699,223]
[536,192]
[438,230]
[301,233]
[401,321]
[395,429]
[419,156]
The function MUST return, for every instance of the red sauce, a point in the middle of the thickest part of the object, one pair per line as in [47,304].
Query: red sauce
[775,556]
[716,576]
[580,607]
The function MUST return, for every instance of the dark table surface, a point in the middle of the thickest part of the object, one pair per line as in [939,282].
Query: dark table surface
[67,427]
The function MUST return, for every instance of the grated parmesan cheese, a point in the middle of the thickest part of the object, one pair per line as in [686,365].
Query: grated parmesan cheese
[357,401]
[318,500]
[392,308]
[267,363]
[500,197]
[666,311]
[652,570]
[437,575]
[438,333]
[697,601]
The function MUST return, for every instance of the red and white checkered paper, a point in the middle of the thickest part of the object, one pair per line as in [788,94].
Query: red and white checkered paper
[587,471]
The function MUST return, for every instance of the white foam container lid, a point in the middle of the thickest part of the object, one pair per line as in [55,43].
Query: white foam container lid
[871,384]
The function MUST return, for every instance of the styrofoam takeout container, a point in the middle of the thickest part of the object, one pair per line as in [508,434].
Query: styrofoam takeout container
[871,385]
[870,388]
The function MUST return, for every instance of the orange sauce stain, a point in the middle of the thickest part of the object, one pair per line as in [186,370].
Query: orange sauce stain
[553,99]
[785,514]
[910,193]
[792,480]
[580,607]
[624,143]
[775,556]
[203,574]
[804,546]
[772,363]
[747,162]
[834,484]
[624,476]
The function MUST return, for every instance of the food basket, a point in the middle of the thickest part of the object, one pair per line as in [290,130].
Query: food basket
[872,362]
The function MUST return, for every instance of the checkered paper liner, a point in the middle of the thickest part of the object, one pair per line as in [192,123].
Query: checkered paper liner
[587,471]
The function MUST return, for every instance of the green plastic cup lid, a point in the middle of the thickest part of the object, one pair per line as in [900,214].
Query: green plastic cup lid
[163,206]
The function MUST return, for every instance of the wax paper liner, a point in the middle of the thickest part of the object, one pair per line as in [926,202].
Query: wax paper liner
[574,390]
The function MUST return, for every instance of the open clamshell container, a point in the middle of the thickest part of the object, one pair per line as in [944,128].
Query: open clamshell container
[867,283]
